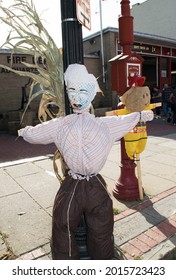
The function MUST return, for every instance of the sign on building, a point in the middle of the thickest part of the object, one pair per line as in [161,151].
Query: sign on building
[83,13]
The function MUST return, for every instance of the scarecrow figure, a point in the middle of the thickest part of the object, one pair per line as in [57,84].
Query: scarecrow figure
[84,142]
[136,98]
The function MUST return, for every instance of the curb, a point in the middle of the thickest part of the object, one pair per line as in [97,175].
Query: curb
[21,161]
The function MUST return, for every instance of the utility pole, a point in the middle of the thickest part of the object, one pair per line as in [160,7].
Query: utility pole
[101,38]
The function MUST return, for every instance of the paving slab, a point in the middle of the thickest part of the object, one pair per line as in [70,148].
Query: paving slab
[153,184]
[111,170]
[23,169]
[159,169]
[25,222]
[46,164]
[41,186]
[165,158]
[8,185]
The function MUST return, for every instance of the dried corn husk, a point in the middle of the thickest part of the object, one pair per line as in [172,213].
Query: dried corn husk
[29,36]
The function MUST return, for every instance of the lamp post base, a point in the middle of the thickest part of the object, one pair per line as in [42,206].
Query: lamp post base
[126,187]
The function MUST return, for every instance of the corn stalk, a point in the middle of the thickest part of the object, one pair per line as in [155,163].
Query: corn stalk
[29,36]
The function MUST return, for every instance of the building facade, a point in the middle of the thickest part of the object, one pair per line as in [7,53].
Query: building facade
[154,40]
[159,54]
[14,91]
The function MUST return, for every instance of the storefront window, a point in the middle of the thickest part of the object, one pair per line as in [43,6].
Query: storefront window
[164,65]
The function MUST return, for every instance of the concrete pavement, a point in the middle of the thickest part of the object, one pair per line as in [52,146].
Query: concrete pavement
[142,229]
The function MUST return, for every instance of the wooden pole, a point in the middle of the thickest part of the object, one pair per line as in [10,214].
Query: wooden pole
[139,176]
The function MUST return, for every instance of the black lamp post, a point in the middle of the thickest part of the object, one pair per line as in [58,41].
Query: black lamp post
[71,38]
[73,53]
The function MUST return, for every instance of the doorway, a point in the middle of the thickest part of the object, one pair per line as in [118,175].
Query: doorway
[149,70]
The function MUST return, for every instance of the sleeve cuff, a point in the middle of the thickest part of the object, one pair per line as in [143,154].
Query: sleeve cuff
[20,132]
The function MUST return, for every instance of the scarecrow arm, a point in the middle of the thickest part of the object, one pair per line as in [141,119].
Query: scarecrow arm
[43,133]
[125,111]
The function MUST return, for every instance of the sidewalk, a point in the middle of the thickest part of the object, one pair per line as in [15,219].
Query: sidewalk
[143,229]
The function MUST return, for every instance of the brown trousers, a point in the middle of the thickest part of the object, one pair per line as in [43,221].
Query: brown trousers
[74,198]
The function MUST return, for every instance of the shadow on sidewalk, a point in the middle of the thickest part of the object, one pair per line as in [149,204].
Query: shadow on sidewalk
[13,148]
[160,128]
[160,224]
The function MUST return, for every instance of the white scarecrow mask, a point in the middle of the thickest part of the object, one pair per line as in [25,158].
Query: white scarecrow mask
[81,87]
